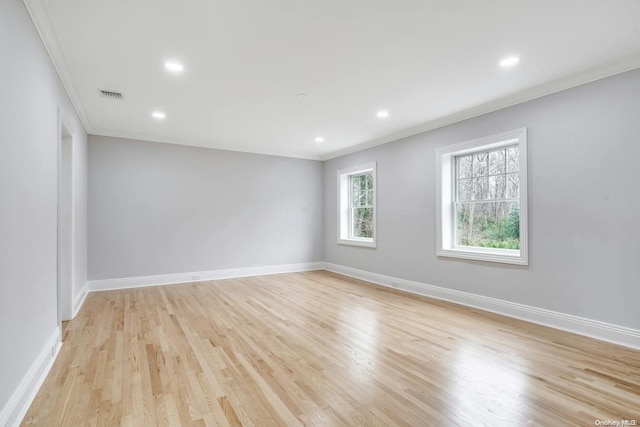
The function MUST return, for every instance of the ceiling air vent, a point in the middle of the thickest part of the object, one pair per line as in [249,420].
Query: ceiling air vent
[110,94]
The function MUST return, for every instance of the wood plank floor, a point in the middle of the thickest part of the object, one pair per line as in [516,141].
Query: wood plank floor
[321,349]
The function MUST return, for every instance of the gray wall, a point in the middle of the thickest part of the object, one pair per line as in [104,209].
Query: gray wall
[31,96]
[163,208]
[584,228]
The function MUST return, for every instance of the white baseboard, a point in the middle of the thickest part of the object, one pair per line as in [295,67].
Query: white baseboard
[616,334]
[20,401]
[199,276]
[79,299]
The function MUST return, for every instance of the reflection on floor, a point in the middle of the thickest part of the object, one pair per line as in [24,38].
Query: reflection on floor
[321,349]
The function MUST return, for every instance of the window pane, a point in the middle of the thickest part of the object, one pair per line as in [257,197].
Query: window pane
[489,224]
[362,222]
[356,196]
[361,182]
[513,185]
[362,190]
[497,187]
[355,183]
[481,188]
[480,164]
[465,189]
[363,199]
[513,164]
[497,162]
[464,167]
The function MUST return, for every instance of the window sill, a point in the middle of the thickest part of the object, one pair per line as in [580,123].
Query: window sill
[367,243]
[504,256]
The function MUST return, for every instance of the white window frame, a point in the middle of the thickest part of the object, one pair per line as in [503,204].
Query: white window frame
[344,221]
[445,197]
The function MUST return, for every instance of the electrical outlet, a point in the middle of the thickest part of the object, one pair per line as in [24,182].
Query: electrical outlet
[394,283]
[195,277]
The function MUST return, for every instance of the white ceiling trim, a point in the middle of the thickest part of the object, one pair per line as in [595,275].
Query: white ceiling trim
[517,98]
[39,17]
[37,11]
[202,144]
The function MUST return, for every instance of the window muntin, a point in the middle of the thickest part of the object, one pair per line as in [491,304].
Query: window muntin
[357,205]
[481,200]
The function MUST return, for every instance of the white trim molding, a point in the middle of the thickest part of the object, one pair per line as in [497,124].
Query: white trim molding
[446,183]
[39,15]
[549,88]
[616,334]
[199,276]
[66,214]
[79,299]
[202,143]
[18,404]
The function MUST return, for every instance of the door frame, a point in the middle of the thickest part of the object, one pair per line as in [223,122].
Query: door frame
[65,220]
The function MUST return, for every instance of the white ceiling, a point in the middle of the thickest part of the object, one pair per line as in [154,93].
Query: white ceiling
[427,62]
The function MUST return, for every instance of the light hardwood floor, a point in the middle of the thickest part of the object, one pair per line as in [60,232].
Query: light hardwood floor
[321,349]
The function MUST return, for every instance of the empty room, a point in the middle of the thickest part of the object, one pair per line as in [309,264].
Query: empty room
[331,213]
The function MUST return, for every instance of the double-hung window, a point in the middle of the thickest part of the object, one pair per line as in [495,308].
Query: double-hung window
[357,205]
[482,209]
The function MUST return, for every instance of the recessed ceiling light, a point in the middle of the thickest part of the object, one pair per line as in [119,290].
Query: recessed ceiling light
[174,67]
[319,139]
[510,61]
[158,115]
[382,114]
[302,95]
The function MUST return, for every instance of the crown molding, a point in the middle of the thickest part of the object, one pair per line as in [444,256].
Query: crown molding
[539,91]
[202,144]
[521,97]
[38,13]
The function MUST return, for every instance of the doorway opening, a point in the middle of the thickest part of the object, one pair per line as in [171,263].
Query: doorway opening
[65,225]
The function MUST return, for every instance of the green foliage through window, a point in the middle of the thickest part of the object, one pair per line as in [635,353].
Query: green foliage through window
[361,205]
[487,205]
